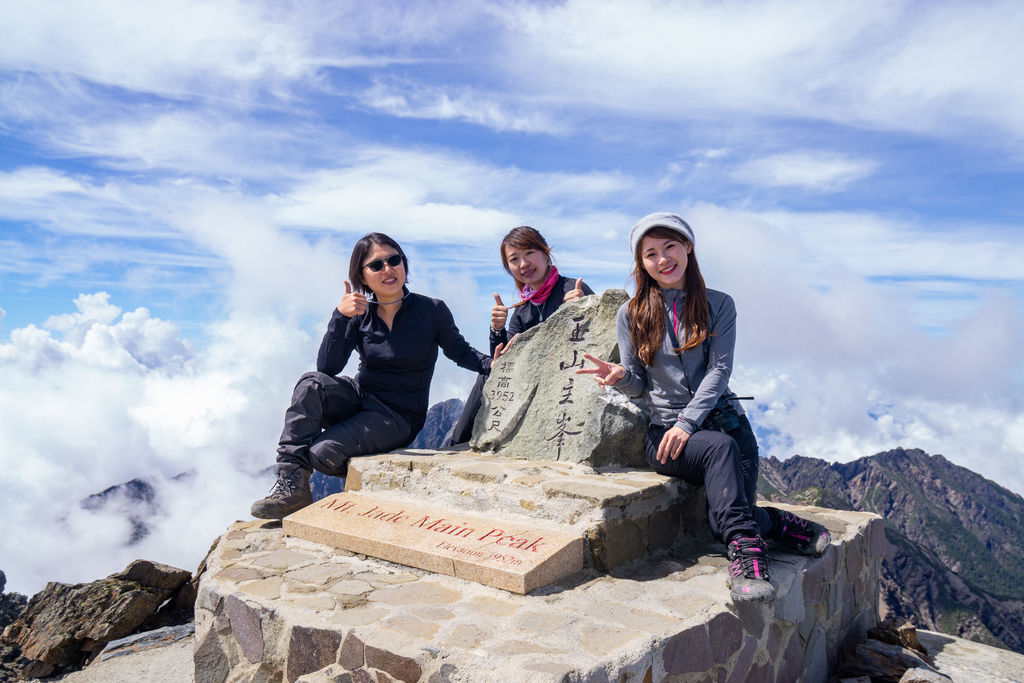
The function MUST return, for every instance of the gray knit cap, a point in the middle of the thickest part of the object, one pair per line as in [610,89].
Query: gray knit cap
[660,219]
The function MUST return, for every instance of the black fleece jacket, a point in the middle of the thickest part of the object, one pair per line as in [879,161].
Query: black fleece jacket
[396,365]
[526,316]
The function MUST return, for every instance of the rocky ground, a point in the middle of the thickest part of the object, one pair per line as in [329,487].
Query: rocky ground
[65,626]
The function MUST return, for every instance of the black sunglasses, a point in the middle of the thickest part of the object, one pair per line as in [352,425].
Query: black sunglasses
[378,265]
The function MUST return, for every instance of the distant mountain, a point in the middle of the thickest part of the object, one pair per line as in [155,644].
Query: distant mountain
[135,500]
[437,429]
[955,564]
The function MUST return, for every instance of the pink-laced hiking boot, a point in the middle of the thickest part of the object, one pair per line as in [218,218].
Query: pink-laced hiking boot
[798,534]
[748,571]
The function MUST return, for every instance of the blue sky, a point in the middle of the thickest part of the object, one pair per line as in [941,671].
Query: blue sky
[180,186]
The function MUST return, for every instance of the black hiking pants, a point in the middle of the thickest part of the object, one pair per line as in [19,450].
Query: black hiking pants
[726,465]
[330,421]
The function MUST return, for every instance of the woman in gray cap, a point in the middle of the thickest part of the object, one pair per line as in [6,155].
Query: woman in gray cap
[676,339]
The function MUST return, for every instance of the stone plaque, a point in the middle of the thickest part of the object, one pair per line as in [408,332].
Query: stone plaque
[535,406]
[503,553]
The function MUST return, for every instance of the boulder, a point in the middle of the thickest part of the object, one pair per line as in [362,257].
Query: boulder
[536,407]
[884,662]
[65,625]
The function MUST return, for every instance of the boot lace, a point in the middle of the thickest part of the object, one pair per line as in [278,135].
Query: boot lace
[749,558]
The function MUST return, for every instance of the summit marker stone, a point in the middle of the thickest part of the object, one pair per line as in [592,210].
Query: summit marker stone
[536,407]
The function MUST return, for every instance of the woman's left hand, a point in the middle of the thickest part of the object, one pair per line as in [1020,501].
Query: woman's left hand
[500,349]
[672,444]
[577,292]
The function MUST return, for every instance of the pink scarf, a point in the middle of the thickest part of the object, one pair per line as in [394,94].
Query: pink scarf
[539,296]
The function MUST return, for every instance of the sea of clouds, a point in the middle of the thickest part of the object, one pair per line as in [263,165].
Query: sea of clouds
[229,153]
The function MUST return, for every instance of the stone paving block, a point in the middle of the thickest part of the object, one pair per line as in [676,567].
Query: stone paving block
[592,492]
[602,640]
[492,606]
[352,655]
[311,649]
[283,559]
[422,593]
[410,625]
[240,574]
[618,541]
[388,578]
[360,616]
[483,472]
[740,669]
[541,623]
[351,587]
[688,652]
[264,588]
[725,631]
[466,636]
[633,617]
[316,604]
[245,627]
[396,656]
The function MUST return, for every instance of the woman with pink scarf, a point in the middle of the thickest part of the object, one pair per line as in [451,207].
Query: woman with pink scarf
[526,256]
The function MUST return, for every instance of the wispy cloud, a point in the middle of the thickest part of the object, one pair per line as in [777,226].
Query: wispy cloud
[818,172]
[442,103]
[898,66]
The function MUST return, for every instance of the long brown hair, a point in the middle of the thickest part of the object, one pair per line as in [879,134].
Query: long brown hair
[647,307]
[524,237]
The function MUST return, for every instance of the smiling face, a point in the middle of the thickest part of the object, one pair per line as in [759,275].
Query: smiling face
[664,259]
[386,284]
[529,266]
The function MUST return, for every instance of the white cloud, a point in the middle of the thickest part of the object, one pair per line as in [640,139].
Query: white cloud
[819,172]
[438,196]
[897,66]
[430,102]
[174,48]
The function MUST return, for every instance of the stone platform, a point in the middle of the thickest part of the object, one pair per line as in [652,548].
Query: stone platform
[273,607]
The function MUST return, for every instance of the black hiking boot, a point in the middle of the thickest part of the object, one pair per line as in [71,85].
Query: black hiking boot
[798,534]
[289,493]
[748,571]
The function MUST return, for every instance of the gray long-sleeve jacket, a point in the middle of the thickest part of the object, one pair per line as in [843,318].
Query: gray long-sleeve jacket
[668,383]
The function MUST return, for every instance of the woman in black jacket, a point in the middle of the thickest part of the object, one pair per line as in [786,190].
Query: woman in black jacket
[396,334]
[525,256]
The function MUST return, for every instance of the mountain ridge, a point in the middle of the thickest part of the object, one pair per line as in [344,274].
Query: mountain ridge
[951,566]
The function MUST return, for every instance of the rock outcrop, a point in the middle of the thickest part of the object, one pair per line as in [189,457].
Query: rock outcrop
[64,625]
[11,607]
[11,604]
[536,407]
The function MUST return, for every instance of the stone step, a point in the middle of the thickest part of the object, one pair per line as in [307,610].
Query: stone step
[622,514]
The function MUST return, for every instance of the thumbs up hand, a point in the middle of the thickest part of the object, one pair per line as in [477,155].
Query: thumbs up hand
[353,303]
[577,291]
[499,314]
